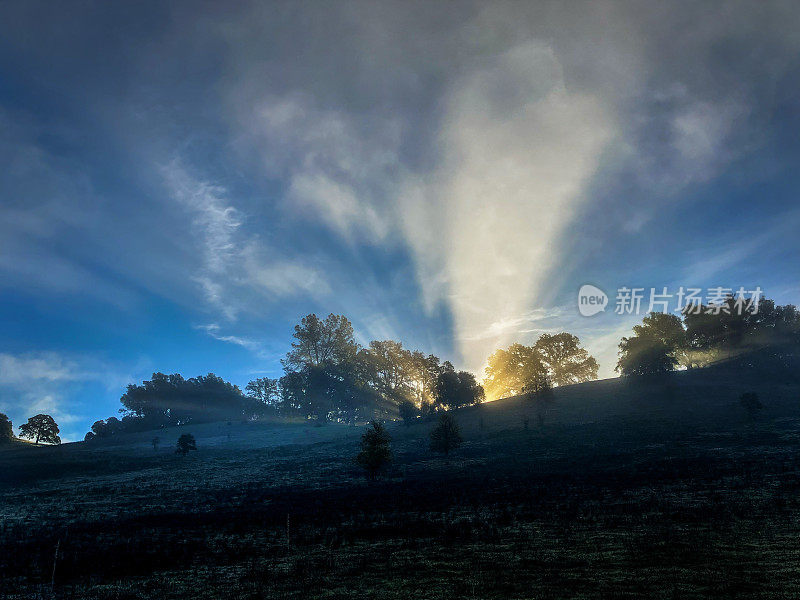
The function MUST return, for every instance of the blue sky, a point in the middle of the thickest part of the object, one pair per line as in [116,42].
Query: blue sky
[183,181]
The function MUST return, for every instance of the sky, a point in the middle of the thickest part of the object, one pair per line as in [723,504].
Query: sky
[183,181]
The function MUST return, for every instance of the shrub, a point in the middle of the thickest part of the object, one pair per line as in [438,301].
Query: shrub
[375,452]
[446,436]
[185,444]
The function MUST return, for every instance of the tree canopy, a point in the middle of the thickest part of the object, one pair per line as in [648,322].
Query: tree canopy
[320,342]
[327,375]
[705,334]
[173,400]
[185,444]
[564,359]
[457,389]
[41,428]
[6,429]
[557,358]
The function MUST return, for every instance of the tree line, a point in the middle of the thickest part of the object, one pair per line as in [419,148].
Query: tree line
[329,376]
[704,335]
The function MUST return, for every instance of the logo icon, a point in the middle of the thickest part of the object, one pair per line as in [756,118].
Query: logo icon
[591,300]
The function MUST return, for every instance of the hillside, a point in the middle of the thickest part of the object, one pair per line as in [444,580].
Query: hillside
[626,489]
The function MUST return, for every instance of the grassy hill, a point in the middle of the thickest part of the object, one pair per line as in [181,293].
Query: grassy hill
[611,489]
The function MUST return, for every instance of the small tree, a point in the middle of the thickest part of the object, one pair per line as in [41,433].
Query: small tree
[185,444]
[6,429]
[408,412]
[446,436]
[155,442]
[41,428]
[751,404]
[375,452]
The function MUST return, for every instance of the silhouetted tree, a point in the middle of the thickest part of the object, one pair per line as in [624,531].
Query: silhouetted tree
[89,436]
[173,400]
[98,429]
[328,375]
[111,426]
[391,364]
[446,436]
[408,412]
[732,327]
[294,399]
[457,389]
[375,452]
[155,442]
[424,373]
[317,342]
[669,331]
[186,443]
[643,356]
[6,429]
[265,395]
[41,428]
[751,404]
[564,359]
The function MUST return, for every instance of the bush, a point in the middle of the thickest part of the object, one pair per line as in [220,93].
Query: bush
[446,436]
[186,443]
[375,452]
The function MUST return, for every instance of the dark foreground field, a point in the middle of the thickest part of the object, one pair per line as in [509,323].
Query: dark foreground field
[612,491]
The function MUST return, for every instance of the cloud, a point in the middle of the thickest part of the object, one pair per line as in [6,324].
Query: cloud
[338,168]
[412,166]
[254,346]
[48,367]
[281,278]
[54,383]
[476,154]
[236,264]
[519,149]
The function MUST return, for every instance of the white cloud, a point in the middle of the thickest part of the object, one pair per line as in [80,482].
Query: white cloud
[338,167]
[51,383]
[49,367]
[281,278]
[215,331]
[519,148]
[236,264]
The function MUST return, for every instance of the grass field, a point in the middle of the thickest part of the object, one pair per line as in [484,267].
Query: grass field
[609,490]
